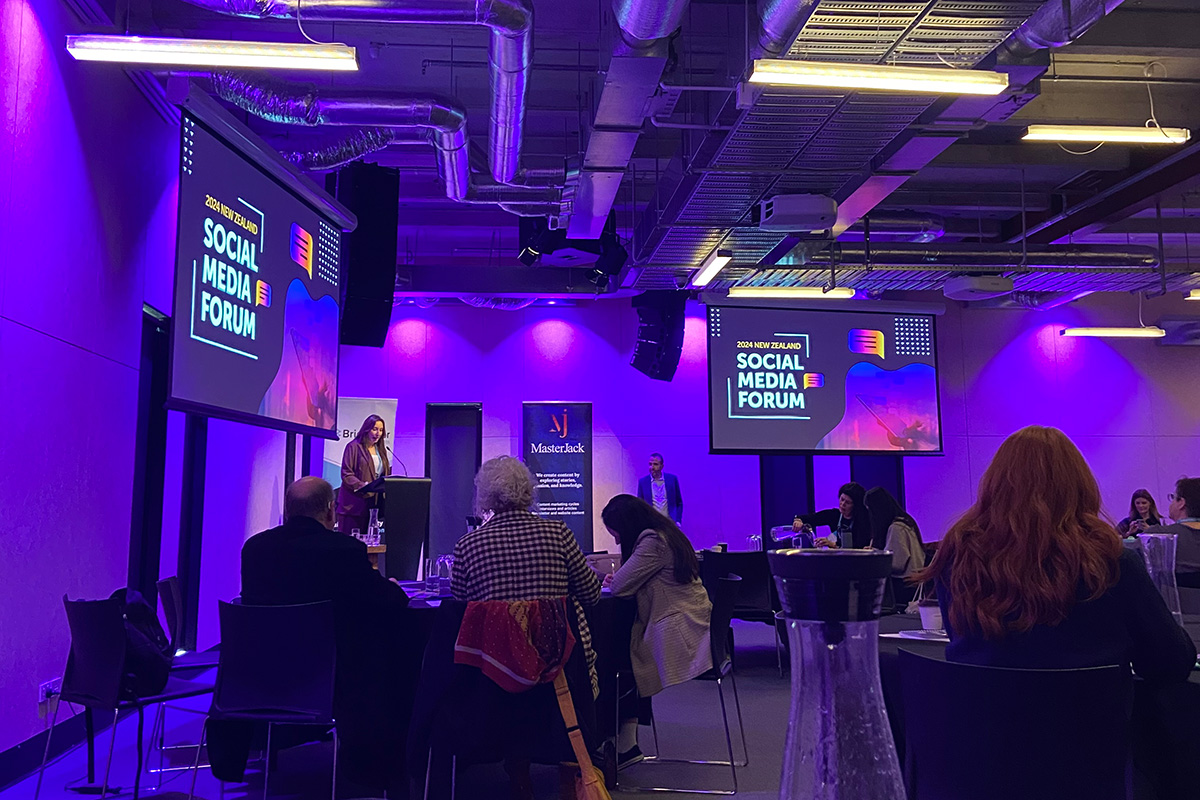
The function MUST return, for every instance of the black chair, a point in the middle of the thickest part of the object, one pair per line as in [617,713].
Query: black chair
[462,717]
[171,598]
[276,667]
[986,733]
[94,672]
[724,598]
[757,600]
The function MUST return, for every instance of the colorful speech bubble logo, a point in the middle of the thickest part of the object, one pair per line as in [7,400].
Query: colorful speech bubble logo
[302,248]
[262,294]
[867,342]
[813,380]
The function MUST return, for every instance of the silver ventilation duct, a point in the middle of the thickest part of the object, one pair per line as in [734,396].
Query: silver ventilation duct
[633,75]
[510,51]
[982,257]
[442,121]
[1058,23]
[898,226]
[502,303]
[779,22]
[348,149]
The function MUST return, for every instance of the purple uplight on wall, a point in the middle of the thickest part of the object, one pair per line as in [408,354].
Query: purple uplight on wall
[553,338]
[408,336]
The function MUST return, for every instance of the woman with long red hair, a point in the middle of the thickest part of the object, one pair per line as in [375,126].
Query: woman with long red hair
[1033,576]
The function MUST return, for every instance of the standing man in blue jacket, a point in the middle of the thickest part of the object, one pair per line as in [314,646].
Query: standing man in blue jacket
[661,490]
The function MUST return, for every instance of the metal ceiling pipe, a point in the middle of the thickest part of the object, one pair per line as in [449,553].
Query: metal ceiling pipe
[1057,23]
[985,257]
[632,79]
[347,149]
[898,226]
[510,50]
[780,22]
[499,303]
[441,120]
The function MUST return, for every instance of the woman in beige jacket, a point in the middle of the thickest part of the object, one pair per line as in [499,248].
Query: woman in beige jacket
[670,642]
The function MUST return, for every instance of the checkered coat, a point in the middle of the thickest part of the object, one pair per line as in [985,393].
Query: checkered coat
[521,556]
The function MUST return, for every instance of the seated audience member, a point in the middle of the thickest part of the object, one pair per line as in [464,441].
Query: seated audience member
[669,644]
[517,555]
[1031,576]
[1142,514]
[849,524]
[1185,510]
[891,525]
[306,561]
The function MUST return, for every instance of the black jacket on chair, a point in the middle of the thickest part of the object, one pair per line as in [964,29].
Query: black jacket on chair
[302,561]
[459,711]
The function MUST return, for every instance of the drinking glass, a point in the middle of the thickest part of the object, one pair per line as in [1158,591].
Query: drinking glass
[356,533]
[432,565]
[445,568]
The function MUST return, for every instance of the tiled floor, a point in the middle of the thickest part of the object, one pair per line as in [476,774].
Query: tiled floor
[689,726]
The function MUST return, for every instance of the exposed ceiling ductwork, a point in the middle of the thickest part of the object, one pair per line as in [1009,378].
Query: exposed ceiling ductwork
[855,147]
[442,121]
[510,50]
[985,257]
[632,79]
[1071,269]
[1058,23]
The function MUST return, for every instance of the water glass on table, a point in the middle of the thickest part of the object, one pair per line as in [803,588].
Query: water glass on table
[432,568]
[445,571]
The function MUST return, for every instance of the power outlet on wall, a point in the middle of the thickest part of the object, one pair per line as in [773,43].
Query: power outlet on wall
[48,696]
[50,689]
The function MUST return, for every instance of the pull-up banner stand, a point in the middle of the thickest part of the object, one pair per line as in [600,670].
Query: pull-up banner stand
[556,445]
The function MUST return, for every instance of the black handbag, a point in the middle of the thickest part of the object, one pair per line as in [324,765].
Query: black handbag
[148,652]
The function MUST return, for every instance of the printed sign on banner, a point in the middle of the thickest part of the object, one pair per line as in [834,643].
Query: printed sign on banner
[350,415]
[556,445]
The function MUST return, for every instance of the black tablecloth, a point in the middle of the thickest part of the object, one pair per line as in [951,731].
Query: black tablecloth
[1166,719]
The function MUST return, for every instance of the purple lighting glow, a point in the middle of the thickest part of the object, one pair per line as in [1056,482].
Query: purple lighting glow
[553,338]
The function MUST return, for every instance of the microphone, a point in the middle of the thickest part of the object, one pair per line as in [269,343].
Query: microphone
[397,459]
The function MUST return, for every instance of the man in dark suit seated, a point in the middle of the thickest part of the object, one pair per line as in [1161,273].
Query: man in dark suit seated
[306,561]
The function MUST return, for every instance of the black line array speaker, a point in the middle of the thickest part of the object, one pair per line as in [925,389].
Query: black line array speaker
[369,252]
[660,333]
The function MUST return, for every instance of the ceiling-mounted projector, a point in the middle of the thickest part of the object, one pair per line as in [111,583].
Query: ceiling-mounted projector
[977,287]
[796,213]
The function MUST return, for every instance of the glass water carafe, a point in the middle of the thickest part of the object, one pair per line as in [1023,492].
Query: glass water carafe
[839,743]
[1158,551]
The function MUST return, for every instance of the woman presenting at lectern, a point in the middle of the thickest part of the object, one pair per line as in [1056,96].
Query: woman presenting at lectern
[364,460]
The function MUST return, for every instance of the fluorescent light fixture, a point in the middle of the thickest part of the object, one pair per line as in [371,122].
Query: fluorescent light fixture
[793,292]
[1117,134]
[919,80]
[212,53]
[1194,294]
[712,265]
[1142,332]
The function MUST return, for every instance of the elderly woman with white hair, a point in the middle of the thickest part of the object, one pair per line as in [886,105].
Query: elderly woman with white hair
[517,555]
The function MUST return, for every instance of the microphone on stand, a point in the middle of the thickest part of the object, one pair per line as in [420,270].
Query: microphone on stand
[397,459]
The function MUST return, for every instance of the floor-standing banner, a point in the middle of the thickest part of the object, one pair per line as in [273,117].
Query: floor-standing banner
[556,445]
[350,415]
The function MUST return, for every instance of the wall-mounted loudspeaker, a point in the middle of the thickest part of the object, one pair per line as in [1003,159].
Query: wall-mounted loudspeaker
[369,252]
[660,333]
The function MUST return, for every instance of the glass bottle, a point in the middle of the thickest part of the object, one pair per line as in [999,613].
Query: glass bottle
[839,744]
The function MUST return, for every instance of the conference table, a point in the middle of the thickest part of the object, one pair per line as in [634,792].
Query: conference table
[1165,724]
